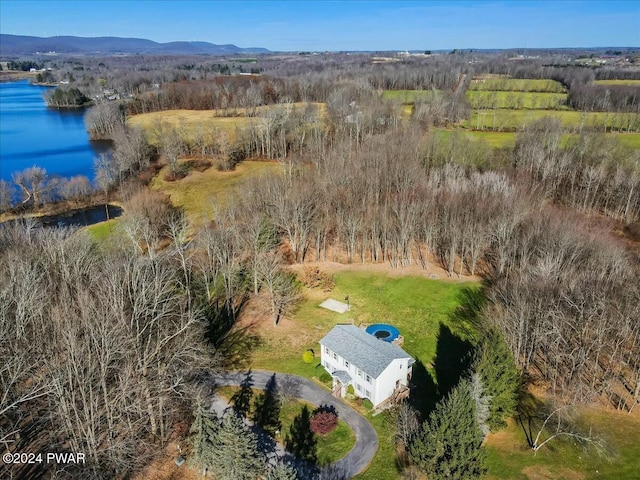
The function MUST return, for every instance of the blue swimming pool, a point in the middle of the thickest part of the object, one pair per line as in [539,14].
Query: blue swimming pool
[383,331]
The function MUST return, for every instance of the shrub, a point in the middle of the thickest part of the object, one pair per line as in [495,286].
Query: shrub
[351,390]
[308,356]
[325,377]
[324,420]
[313,277]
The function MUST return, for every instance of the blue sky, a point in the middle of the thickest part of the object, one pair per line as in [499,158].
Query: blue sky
[337,25]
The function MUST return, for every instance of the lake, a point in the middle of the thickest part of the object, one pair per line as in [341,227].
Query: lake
[32,134]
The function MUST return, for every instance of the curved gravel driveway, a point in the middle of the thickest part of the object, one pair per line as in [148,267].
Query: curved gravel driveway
[361,455]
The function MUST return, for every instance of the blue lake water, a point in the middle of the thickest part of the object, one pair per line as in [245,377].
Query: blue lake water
[32,134]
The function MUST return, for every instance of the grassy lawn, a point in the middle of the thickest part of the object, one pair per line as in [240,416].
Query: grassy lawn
[517,85]
[510,458]
[197,192]
[630,83]
[103,230]
[509,119]
[516,100]
[415,305]
[331,447]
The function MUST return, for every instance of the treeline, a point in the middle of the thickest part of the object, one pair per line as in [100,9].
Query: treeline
[67,98]
[605,98]
[23,65]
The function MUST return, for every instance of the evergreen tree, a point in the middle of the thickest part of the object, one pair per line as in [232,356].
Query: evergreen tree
[241,400]
[237,454]
[203,437]
[500,378]
[449,444]
[267,408]
[301,441]
[282,471]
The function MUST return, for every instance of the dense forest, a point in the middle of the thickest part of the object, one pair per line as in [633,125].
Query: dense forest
[109,348]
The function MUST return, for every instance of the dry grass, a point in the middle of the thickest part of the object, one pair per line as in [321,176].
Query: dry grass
[199,191]
[225,120]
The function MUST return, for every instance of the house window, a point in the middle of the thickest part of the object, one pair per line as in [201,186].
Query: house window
[359,372]
[368,379]
[335,357]
[367,393]
[358,387]
[346,364]
[400,366]
[326,350]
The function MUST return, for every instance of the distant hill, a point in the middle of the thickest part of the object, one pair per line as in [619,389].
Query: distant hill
[11,45]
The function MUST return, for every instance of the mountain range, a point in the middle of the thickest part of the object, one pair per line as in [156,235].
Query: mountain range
[26,45]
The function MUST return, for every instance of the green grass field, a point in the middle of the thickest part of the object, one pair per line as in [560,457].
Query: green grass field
[510,120]
[630,83]
[485,99]
[102,231]
[517,85]
[415,305]
[508,139]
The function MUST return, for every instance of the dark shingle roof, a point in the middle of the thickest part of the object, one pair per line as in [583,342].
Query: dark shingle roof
[363,350]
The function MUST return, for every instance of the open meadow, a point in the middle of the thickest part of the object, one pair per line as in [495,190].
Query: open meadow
[489,99]
[198,192]
[629,83]
[517,85]
[511,120]
[190,123]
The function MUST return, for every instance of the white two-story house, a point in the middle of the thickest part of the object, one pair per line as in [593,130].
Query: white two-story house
[375,368]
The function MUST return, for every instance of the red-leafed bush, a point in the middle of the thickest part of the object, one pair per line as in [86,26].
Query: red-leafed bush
[324,421]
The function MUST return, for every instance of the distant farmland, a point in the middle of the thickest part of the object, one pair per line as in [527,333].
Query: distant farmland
[489,99]
[516,85]
[511,120]
[630,83]
[188,122]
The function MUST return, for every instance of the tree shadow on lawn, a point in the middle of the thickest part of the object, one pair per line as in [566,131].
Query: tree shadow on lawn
[453,359]
[424,391]
[232,344]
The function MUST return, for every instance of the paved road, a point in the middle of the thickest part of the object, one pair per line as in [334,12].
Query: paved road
[361,455]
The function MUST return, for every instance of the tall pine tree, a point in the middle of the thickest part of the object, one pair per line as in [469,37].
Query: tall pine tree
[282,471]
[267,408]
[203,437]
[237,454]
[500,378]
[301,441]
[449,444]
